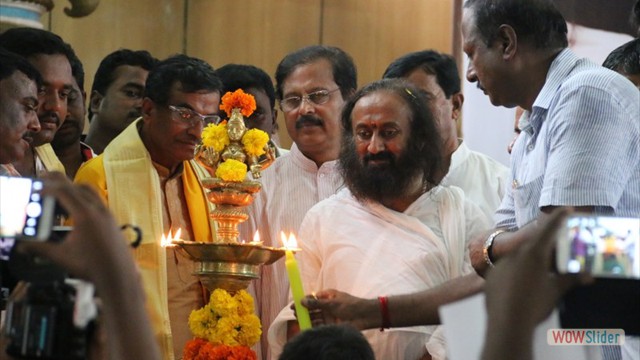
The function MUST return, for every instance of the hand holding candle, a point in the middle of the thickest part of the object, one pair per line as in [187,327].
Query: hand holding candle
[304,321]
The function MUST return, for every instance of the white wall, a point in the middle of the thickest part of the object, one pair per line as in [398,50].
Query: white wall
[486,128]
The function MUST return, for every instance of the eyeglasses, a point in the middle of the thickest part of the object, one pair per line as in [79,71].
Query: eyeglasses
[315,98]
[190,117]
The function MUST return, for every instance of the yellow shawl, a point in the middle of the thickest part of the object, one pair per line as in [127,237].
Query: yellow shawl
[49,158]
[125,167]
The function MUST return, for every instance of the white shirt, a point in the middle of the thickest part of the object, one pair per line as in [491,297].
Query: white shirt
[290,187]
[482,178]
[368,250]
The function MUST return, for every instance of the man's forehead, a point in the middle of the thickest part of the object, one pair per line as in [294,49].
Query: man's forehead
[378,103]
[314,75]
[467,26]
[129,73]
[55,69]
[20,85]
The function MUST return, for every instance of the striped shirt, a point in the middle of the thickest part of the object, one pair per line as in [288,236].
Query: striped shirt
[290,187]
[581,146]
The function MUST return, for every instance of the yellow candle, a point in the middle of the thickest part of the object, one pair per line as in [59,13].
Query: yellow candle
[297,291]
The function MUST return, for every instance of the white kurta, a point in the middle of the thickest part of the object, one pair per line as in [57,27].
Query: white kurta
[290,187]
[482,178]
[369,250]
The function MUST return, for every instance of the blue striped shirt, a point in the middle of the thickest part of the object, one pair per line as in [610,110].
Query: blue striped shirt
[581,146]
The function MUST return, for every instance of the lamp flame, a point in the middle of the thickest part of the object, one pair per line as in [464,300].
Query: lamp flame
[291,243]
[168,239]
[256,239]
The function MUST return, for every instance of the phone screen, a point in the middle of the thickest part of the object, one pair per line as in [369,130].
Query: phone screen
[15,193]
[600,245]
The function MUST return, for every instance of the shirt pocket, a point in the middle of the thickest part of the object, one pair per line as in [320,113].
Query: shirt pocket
[526,198]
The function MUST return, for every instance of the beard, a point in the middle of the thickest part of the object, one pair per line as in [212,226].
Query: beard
[391,177]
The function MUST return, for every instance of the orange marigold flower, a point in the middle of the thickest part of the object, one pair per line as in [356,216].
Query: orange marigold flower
[238,99]
[192,348]
[242,353]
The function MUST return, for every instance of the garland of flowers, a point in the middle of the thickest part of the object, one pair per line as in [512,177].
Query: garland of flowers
[254,141]
[216,137]
[231,170]
[238,99]
[225,328]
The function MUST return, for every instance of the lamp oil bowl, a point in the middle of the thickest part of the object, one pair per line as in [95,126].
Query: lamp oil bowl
[229,266]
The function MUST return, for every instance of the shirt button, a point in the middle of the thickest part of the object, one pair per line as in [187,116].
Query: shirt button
[530,147]
[321,175]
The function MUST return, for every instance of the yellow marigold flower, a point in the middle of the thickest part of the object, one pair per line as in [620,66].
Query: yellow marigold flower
[226,332]
[238,99]
[245,302]
[200,321]
[232,170]
[225,320]
[222,303]
[250,330]
[215,136]
[254,141]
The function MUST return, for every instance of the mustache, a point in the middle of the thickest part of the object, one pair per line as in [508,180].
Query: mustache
[28,136]
[308,120]
[50,114]
[385,155]
[70,122]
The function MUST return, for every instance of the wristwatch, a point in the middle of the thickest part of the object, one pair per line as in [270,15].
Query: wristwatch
[486,249]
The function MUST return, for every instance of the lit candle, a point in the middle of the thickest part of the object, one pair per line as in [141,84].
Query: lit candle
[295,282]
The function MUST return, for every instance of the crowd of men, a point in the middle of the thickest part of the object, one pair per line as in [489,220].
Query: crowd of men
[395,215]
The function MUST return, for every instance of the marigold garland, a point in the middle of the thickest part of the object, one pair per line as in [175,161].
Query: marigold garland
[231,170]
[198,349]
[215,136]
[225,328]
[238,99]
[254,141]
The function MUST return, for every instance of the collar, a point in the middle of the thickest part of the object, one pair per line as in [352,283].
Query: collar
[307,164]
[86,151]
[164,173]
[459,156]
[561,66]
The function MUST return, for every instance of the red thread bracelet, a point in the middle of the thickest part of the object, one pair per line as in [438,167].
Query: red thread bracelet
[384,309]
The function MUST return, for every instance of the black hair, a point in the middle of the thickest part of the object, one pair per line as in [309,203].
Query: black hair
[77,71]
[432,62]
[328,342]
[237,76]
[29,42]
[104,76]
[193,75]
[423,150]
[625,59]
[11,62]
[345,74]
[537,22]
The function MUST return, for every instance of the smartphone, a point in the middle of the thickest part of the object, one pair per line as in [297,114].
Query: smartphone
[24,212]
[603,246]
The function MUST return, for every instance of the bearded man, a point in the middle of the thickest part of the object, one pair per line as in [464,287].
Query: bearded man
[392,230]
